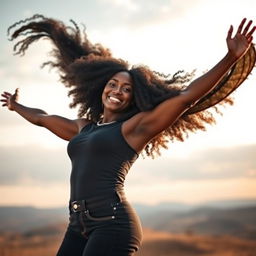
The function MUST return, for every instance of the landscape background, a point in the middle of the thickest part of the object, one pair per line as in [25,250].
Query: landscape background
[215,228]
[198,198]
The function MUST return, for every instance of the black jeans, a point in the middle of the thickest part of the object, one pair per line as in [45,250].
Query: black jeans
[109,228]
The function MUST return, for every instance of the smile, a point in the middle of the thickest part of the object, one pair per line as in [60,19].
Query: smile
[114,100]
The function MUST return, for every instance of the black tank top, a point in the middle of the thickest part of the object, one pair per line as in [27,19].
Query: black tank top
[101,159]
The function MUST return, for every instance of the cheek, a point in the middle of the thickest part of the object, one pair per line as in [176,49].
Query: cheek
[130,99]
[104,93]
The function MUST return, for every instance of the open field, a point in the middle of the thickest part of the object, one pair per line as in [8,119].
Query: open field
[166,244]
[155,243]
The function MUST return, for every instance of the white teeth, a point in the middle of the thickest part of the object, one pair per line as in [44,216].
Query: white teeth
[114,99]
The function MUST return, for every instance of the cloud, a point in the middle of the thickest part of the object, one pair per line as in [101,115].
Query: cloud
[137,14]
[210,164]
[27,67]
[38,165]
[196,191]
[128,4]
[33,165]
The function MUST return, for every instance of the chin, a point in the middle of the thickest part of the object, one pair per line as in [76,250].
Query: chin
[117,109]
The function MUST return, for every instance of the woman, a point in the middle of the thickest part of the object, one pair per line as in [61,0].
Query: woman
[123,111]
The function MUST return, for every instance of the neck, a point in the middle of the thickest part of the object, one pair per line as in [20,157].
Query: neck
[108,120]
[110,117]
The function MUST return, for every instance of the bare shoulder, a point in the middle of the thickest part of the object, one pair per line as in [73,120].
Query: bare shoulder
[132,132]
[81,122]
[144,126]
[131,125]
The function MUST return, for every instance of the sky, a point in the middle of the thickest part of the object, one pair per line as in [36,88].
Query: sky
[166,35]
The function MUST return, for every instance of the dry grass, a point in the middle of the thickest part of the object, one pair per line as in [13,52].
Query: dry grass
[155,244]
[166,244]
[17,245]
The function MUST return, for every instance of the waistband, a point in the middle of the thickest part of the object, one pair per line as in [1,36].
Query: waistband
[97,201]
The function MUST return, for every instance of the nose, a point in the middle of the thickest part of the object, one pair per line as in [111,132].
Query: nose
[117,90]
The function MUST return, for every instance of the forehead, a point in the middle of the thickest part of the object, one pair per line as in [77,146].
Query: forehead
[123,77]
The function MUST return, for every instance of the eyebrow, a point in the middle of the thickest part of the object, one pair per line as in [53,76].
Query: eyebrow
[116,80]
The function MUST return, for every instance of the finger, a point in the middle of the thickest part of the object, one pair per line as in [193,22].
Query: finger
[251,32]
[249,40]
[247,28]
[5,96]
[7,93]
[241,26]
[230,31]
[4,105]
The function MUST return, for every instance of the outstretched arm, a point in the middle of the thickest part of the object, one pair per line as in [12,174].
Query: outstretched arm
[144,126]
[237,47]
[60,126]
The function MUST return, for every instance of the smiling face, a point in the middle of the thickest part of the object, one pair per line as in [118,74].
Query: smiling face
[118,92]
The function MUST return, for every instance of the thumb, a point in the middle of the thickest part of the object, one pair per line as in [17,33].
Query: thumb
[17,91]
[16,94]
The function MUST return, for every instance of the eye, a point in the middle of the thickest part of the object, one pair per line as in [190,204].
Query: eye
[111,84]
[127,89]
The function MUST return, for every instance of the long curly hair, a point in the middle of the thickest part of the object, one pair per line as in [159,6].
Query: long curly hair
[85,68]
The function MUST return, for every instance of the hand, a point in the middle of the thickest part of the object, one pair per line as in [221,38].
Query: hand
[9,99]
[240,43]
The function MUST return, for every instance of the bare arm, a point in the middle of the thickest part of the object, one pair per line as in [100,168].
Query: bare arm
[60,126]
[237,47]
[143,127]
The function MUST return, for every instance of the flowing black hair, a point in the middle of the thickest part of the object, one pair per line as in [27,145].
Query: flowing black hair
[85,68]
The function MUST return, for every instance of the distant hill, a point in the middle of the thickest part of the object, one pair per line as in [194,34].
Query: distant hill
[236,217]
[240,222]
[181,207]
[21,219]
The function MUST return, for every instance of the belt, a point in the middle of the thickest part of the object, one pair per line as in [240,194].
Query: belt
[78,206]
[96,202]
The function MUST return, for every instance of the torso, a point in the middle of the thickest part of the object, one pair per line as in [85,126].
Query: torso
[101,157]
[134,135]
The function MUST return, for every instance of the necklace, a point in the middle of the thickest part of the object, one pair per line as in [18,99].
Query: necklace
[101,124]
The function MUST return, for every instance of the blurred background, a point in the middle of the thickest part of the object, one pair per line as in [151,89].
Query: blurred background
[199,197]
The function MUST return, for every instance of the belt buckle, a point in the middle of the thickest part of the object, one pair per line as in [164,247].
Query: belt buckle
[75,206]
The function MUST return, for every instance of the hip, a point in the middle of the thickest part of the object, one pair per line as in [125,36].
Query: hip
[114,213]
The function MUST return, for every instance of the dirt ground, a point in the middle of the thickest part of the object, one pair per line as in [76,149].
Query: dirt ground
[154,243]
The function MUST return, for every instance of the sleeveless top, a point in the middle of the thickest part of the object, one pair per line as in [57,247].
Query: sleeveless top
[101,159]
